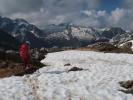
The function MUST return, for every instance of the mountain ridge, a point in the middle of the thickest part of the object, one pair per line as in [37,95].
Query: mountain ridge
[62,35]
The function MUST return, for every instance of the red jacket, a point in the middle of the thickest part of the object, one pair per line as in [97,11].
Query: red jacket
[24,51]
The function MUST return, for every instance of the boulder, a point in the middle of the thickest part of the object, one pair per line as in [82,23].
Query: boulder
[38,54]
[75,69]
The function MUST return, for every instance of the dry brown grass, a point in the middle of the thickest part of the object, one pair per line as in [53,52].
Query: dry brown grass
[15,70]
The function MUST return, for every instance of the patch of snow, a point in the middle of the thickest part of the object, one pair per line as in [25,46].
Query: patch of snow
[99,80]
[15,88]
[101,29]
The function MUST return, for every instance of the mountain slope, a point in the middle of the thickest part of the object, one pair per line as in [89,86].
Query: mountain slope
[7,41]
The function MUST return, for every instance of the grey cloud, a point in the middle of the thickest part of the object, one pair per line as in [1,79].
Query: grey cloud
[81,12]
[47,11]
[128,4]
[121,18]
[15,6]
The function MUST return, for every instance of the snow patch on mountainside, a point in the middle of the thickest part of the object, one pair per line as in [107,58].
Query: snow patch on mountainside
[82,33]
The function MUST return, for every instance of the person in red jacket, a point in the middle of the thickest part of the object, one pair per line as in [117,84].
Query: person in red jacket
[24,52]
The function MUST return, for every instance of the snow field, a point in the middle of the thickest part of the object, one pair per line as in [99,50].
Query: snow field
[98,81]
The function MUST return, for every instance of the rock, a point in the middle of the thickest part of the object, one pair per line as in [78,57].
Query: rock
[128,85]
[68,64]
[75,69]
[126,47]
[43,50]
[38,54]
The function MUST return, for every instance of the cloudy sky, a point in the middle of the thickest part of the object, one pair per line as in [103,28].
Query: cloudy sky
[95,13]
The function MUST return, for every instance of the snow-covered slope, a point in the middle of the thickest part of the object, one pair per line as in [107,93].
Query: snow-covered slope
[98,81]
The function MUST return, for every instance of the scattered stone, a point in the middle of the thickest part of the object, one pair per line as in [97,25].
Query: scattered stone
[68,64]
[75,69]
[38,54]
[126,47]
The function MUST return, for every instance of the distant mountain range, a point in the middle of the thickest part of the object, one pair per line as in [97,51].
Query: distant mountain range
[62,35]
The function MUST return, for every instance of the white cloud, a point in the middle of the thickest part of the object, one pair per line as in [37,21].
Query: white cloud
[116,16]
[121,18]
[42,12]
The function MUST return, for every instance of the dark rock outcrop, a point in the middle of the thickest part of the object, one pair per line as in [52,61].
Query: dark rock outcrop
[75,69]
[68,64]
[128,85]
[126,47]
[37,55]
[102,47]
[12,56]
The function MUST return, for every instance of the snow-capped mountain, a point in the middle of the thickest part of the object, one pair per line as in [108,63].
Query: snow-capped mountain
[84,35]
[22,31]
[121,38]
[62,35]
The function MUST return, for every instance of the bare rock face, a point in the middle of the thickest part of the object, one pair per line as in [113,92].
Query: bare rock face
[127,47]
[38,54]
[102,47]
[110,48]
